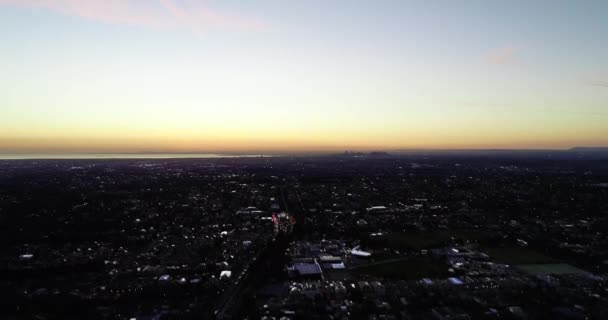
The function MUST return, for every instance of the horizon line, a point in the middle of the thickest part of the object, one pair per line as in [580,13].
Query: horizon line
[354,149]
[292,152]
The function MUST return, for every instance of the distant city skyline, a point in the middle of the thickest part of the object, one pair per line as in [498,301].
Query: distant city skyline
[298,76]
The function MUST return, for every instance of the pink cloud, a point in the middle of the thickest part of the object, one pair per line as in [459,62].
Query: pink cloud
[194,16]
[503,56]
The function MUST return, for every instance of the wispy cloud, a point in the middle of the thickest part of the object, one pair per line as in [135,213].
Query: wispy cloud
[190,15]
[596,79]
[599,83]
[503,56]
[507,107]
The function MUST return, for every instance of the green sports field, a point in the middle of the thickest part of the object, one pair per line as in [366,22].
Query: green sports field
[550,268]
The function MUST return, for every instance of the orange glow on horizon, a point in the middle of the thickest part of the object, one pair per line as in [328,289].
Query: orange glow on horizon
[285,144]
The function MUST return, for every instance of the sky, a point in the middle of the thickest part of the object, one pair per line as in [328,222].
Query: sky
[289,76]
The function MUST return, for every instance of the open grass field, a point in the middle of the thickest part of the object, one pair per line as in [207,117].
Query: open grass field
[518,255]
[551,268]
[410,269]
[427,240]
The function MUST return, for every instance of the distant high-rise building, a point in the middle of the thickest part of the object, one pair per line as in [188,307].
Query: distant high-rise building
[283,223]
